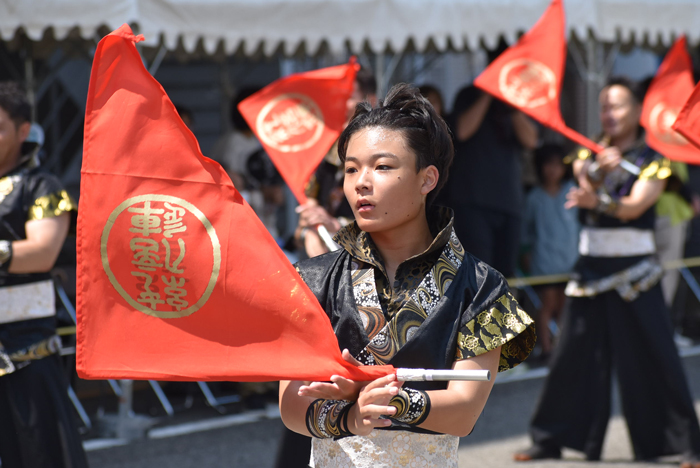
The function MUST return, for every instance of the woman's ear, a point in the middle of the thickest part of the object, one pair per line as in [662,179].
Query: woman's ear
[430,179]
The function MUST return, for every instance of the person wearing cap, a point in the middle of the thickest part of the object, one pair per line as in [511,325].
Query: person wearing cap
[37,427]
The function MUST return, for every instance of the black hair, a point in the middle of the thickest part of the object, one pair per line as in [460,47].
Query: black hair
[425,132]
[13,100]
[632,86]
[546,153]
[366,82]
[237,120]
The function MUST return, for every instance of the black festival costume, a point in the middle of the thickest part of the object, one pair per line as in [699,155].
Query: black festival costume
[37,426]
[616,318]
[445,305]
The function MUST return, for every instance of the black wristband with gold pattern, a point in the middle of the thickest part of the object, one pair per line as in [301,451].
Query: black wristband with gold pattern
[412,406]
[327,419]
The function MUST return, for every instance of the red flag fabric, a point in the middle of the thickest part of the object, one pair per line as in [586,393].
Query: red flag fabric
[688,121]
[667,93]
[177,277]
[528,75]
[298,118]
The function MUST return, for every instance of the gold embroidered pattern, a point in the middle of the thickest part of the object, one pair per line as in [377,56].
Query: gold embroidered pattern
[504,324]
[421,301]
[50,206]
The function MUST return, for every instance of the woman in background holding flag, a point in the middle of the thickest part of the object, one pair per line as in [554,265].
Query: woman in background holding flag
[402,291]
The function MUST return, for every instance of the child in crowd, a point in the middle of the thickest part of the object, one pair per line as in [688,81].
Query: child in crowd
[550,236]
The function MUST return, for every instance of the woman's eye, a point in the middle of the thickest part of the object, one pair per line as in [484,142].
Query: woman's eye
[383,167]
[350,170]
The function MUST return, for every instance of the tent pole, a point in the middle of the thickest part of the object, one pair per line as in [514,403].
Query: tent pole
[379,74]
[592,85]
[29,80]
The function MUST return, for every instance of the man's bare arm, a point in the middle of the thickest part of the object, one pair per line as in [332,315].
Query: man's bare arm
[39,251]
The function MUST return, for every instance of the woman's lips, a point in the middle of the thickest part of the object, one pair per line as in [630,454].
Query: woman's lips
[364,206]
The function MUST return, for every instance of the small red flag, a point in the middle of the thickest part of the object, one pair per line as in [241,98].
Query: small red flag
[667,93]
[177,277]
[528,75]
[298,118]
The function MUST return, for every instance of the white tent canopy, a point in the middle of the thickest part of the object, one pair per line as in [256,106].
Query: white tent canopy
[378,24]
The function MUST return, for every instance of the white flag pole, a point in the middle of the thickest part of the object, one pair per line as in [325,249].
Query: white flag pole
[327,238]
[430,375]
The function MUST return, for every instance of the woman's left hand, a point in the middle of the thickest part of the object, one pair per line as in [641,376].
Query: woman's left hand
[339,388]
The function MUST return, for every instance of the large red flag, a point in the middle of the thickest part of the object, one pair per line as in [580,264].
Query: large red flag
[298,118]
[177,277]
[528,75]
[667,93]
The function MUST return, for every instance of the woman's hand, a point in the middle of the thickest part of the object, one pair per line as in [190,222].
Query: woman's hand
[373,403]
[339,387]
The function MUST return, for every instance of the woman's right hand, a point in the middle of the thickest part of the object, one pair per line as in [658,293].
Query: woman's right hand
[372,403]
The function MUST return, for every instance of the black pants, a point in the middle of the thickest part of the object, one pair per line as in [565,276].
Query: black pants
[491,236]
[37,426]
[635,338]
[294,450]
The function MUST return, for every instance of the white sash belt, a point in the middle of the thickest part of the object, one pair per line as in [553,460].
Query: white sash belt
[27,301]
[616,242]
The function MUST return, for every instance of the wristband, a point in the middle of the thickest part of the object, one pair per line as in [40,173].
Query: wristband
[606,204]
[412,406]
[326,419]
[5,255]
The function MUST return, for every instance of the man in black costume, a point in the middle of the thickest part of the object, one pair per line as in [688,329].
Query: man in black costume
[616,317]
[37,428]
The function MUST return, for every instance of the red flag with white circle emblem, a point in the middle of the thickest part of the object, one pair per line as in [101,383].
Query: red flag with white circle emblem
[528,75]
[177,277]
[667,93]
[298,118]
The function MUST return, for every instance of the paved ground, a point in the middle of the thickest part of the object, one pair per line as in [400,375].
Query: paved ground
[501,430]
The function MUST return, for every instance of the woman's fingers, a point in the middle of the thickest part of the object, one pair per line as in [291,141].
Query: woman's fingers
[328,391]
[350,358]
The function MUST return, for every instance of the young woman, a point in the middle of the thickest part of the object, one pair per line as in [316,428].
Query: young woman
[402,291]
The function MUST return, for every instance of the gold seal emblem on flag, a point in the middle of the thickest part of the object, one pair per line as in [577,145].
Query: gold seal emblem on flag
[161,254]
[290,123]
[527,83]
[661,119]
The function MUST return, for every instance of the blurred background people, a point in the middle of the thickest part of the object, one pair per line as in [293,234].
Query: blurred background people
[485,184]
[37,425]
[233,149]
[550,236]
[616,317]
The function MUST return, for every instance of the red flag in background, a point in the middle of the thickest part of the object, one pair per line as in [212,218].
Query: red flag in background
[688,121]
[177,277]
[667,93]
[298,118]
[528,75]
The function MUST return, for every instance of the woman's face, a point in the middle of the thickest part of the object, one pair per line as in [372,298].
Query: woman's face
[381,183]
